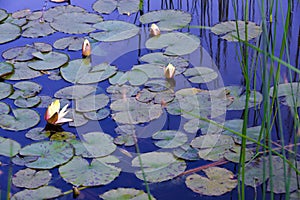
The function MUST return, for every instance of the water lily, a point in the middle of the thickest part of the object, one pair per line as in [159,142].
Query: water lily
[55,116]
[86,48]
[154,30]
[169,71]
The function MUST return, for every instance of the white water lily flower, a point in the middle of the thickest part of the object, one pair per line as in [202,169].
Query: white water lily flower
[169,71]
[154,30]
[55,116]
[86,48]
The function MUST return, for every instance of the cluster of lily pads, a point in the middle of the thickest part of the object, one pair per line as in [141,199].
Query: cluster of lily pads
[134,97]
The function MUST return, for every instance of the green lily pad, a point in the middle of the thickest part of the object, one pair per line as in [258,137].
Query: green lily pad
[91,103]
[48,61]
[75,22]
[124,6]
[98,172]
[42,47]
[125,193]
[78,71]
[255,173]
[72,43]
[295,195]
[234,154]
[22,72]
[9,32]
[27,102]
[45,192]
[75,92]
[37,134]
[35,29]
[145,96]
[175,43]
[158,166]
[3,15]
[114,31]
[157,85]
[21,161]
[186,152]
[23,53]
[26,89]
[5,90]
[97,115]
[118,79]
[17,22]
[50,154]
[212,147]
[167,20]
[9,147]
[52,13]
[22,119]
[290,92]
[5,69]
[36,15]
[152,70]
[131,111]
[231,29]
[29,178]
[62,136]
[4,108]
[200,74]
[126,139]
[123,91]
[21,13]
[78,118]
[169,138]
[217,182]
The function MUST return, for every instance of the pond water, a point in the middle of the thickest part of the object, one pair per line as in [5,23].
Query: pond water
[120,95]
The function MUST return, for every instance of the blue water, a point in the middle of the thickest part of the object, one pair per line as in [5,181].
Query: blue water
[224,54]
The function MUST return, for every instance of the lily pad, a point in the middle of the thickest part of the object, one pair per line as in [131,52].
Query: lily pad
[125,193]
[5,90]
[46,192]
[75,92]
[290,92]
[131,111]
[5,69]
[167,20]
[52,13]
[22,119]
[200,74]
[97,115]
[22,72]
[3,15]
[48,61]
[9,32]
[62,136]
[169,138]
[35,29]
[23,53]
[21,13]
[158,166]
[114,31]
[4,108]
[78,118]
[91,103]
[75,22]
[234,153]
[152,70]
[124,91]
[27,102]
[37,133]
[231,29]
[175,43]
[78,71]
[29,178]
[218,181]
[255,173]
[50,154]
[124,6]
[126,139]
[186,152]
[26,89]
[98,172]
[72,43]
[9,147]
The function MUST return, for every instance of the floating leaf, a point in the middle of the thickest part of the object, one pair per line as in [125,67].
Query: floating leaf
[47,61]
[75,22]
[91,103]
[5,90]
[9,147]
[50,154]
[21,161]
[152,70]
[3,15]
[78,71]
[5,69]
[62,136]
[124,6]
[212,147]
[19,53]
[114,31]
[22,72]
[9,32]
[131,111]
[27,102]
[52,13]
[157,85]
[22,119]
[255,173]
[201,74]
[124,91]
[72,43]
[26,89]
[176,43]
[97,115]
[37,134]
[186,152]
[291,93]
[17,22]
[126,139]
[167,20]
[158,166]
[46,192]
[234,153]
[218,181]
[78,118]
[232,29]
[80,172]
[75,92]
[21,13]
[169,138]
[42,47]
[125,193]
[35,29]
[4,108]
[29,178]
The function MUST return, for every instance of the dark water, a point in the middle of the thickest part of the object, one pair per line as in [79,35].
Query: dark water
[224,54]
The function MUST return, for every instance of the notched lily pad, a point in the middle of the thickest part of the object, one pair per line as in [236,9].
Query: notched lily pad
[5,90]
[46,192]
[125,193]
[290,92]
[91,103]
[72,43]
[124,6]
[6,69]
[169,138]
[200,74]
[22,72]
[75,92]
[4,108]
[48,61]
[9,32]
[9,147]
[35,29]
[97,115]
